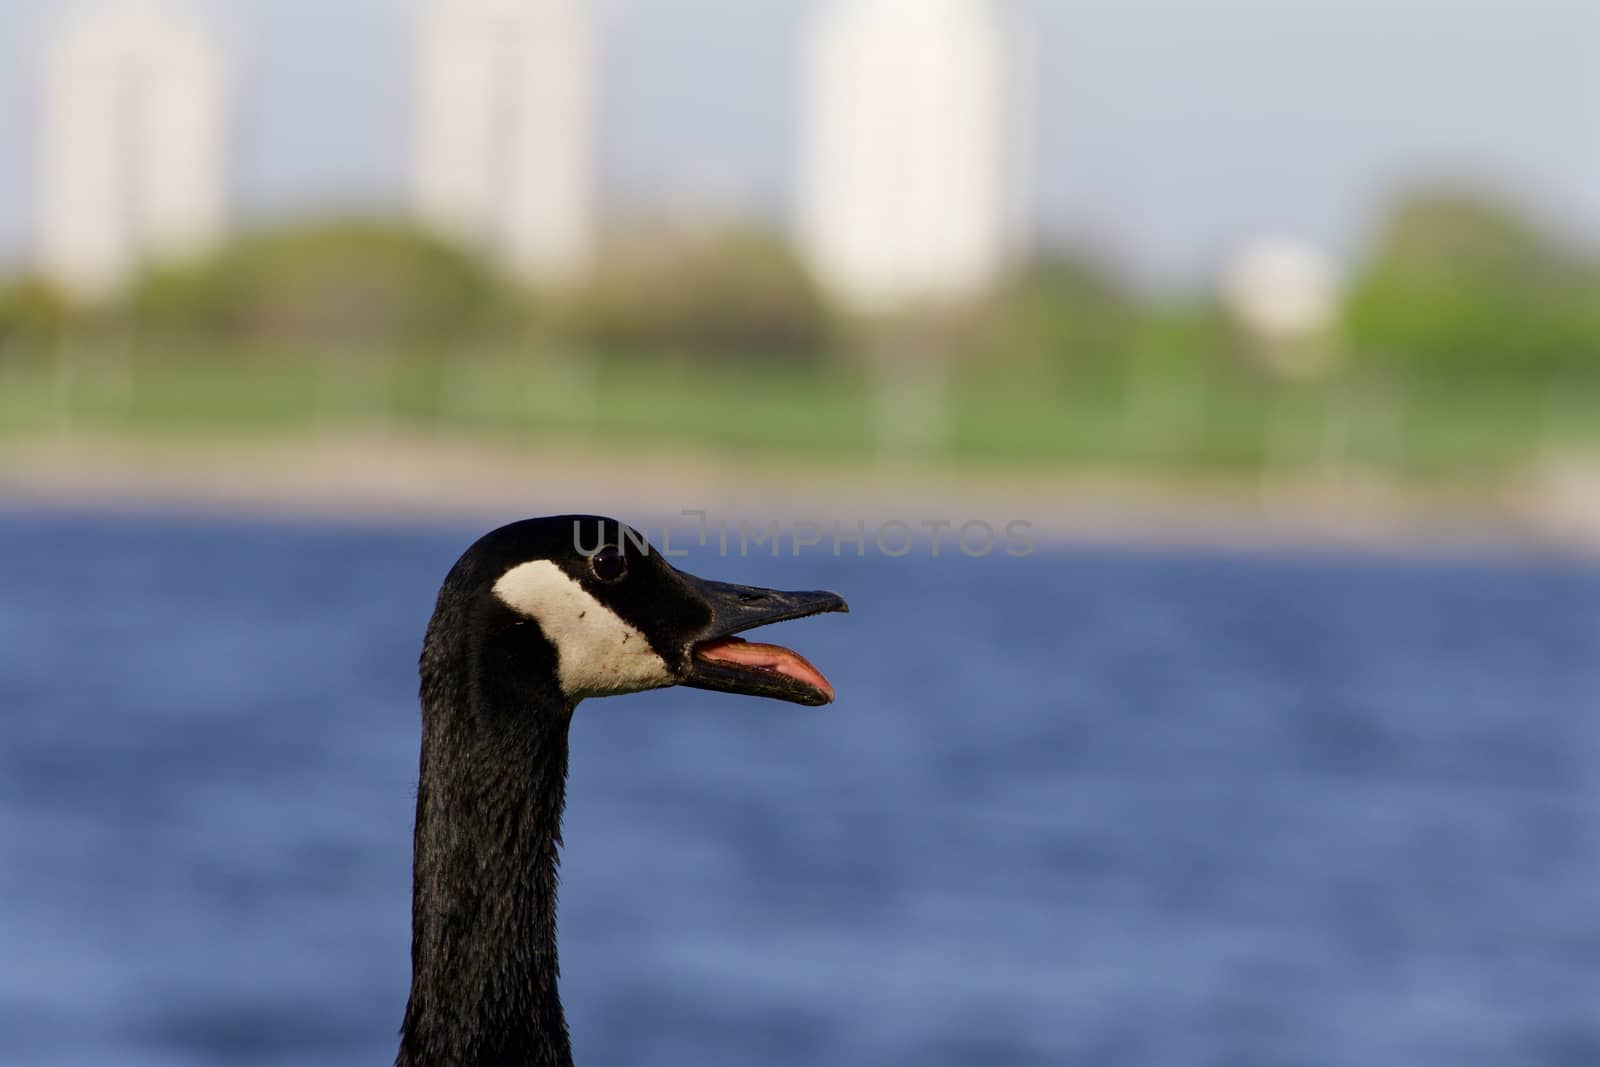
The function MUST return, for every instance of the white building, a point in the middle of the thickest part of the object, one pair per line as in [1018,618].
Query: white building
[133,146]
[913,150]
[505,131]
[1284,294]
[1282,289]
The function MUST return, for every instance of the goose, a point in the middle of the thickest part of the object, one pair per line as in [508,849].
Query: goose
[533,618]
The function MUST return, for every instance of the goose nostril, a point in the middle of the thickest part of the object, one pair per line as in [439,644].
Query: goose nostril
[751,598]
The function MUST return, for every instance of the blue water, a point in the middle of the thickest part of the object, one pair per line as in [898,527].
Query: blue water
[1087,808]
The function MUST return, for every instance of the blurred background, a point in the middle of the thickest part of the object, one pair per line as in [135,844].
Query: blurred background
[1277,324]
[1301,246]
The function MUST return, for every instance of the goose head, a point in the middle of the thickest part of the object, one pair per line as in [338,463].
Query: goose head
[585,603]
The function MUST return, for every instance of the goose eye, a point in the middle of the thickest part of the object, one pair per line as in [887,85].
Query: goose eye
[609,564]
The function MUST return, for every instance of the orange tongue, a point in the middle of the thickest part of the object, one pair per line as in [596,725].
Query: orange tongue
[773,658]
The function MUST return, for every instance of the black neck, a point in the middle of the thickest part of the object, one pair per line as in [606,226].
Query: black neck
[483,943]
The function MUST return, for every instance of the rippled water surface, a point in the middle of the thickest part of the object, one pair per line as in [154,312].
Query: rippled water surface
[1087,808]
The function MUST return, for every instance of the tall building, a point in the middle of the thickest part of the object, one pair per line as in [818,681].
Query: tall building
[913,152]
[133,146]
[505,131]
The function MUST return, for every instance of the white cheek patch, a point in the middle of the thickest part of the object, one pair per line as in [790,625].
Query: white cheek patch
[599,653]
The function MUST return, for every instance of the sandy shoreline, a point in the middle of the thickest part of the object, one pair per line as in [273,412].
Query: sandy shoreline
[419,477]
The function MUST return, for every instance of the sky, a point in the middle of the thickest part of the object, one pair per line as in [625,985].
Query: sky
[1166,131]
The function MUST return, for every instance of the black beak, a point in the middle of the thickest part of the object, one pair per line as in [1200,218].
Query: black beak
[720,661]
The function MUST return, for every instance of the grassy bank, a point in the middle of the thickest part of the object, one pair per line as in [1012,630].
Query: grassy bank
[1156,415]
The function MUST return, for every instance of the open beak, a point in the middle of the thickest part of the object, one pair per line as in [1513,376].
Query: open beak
[720,661]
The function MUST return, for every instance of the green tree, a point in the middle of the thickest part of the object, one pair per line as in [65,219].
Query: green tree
[33,314]
[732,291]
[1065,310]
[342,282]
[1462,283]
